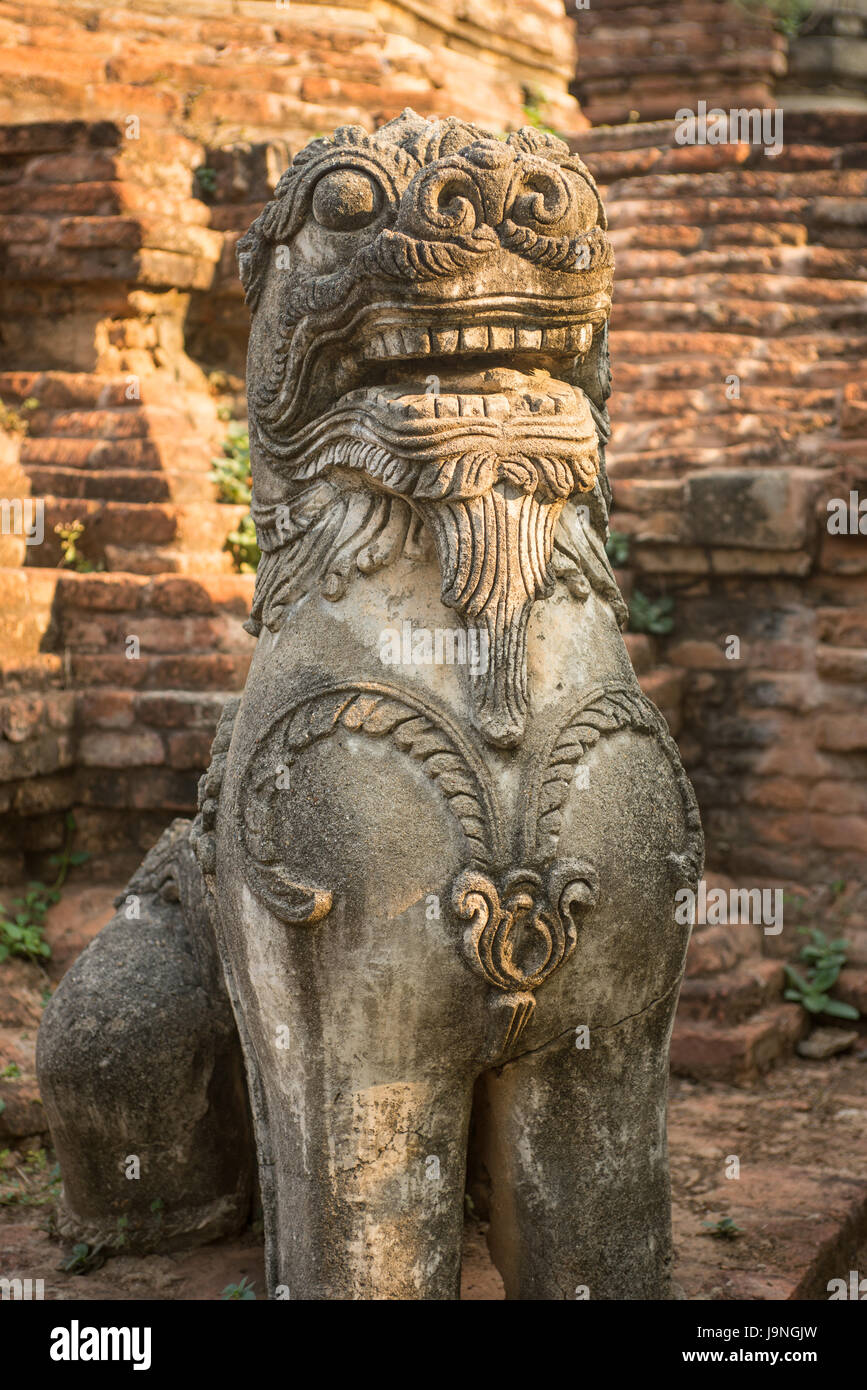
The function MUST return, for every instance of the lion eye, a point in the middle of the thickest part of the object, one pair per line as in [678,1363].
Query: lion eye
[345,200]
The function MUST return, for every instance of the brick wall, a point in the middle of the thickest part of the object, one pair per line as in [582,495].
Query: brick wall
[739,402]
[644,61]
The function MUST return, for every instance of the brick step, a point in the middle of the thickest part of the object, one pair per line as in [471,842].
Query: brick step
[739,1053]
[103,198]
[642,648]
[609,166]
[154,269]
[736,428]
[658,107]
[740,184]
[670,463]
[89,391]
[166,594]
[734,996]
[731,314]
[798,350]
[190,635]
[771,382]
[159,535]
[165,559]
[99,456]
[701,211]
[811,263]
[43,611]
[800,397]
[132,421]
[129,484]
[260,114]
[723,235]
[602,57]
[852,987]
[200,671]
[713,950]
[26,610]
[794,291]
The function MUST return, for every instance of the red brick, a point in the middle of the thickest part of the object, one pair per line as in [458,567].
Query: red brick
[842,733]
[190,749]
[144,748]
[105,709]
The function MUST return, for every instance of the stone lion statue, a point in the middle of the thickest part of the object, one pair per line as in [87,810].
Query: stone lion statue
[429,895]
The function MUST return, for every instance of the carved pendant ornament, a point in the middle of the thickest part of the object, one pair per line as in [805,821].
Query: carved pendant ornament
[516,926]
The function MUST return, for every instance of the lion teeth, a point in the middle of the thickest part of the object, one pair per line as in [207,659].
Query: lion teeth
[416,342]
[528,337]
[496,407]
[474,339]
[407,404]
[444,340]
[397,342]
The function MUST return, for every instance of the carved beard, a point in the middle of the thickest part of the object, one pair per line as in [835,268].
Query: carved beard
[495,554]
[489,474]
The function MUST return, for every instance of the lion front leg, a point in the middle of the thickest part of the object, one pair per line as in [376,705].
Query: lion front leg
[361,1024]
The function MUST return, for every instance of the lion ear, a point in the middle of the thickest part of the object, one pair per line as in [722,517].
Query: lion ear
[252,255]
[592,375]
[593,372]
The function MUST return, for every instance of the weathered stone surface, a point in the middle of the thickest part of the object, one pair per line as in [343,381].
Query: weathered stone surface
[431,255]
[140,1072]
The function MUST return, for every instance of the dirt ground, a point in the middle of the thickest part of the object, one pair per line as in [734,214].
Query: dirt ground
[782,1162]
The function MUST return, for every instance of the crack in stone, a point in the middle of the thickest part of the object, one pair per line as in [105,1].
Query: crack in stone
[599,1028]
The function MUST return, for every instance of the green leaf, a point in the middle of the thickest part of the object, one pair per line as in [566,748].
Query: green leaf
[815,1003]
[797,979]
[837,1009]
[824,979]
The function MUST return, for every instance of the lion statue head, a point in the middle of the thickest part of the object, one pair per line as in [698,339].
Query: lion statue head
[428,358]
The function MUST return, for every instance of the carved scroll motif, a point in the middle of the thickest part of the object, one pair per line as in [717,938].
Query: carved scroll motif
[518,925]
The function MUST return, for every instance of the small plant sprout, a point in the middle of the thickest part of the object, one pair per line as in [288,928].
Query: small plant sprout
[237,1292]
[21,928]
[724,1229]
[824,960]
